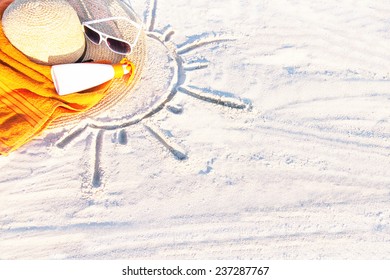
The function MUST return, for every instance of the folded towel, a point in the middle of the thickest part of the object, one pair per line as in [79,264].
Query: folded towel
[28,99]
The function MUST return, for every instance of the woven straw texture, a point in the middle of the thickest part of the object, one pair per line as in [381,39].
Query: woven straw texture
[97,9]
[45,34]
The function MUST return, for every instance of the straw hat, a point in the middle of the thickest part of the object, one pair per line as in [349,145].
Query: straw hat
[60,19]
[48,32]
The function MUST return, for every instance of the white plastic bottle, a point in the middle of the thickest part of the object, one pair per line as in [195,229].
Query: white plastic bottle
[76,77]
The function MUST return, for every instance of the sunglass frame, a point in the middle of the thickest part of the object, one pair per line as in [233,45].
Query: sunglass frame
[103,36]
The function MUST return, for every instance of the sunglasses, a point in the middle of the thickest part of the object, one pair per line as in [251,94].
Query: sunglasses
[116,45]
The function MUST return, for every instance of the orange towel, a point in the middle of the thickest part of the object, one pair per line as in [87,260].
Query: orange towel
[28,100]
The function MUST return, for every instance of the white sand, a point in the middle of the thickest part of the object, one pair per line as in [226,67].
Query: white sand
[303,174]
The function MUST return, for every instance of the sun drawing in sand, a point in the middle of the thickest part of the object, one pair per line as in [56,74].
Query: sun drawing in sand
[174,58]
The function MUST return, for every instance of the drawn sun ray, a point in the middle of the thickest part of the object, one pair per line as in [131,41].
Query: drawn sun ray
[173,56]
[174,148]
[201,43]
[191,66]
[151,15]
[72,135]
[208,96]
[97,170]
[168,34]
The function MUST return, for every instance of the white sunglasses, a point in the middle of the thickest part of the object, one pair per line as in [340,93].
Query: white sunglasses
[116,45]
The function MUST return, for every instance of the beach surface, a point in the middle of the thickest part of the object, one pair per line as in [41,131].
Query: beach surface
[259,130]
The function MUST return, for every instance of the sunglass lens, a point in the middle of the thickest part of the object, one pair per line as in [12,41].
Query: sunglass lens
[92,35]
[119,46]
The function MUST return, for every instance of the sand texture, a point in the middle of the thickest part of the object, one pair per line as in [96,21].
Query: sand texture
[259,129]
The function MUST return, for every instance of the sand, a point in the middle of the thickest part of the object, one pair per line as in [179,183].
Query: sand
[260,130]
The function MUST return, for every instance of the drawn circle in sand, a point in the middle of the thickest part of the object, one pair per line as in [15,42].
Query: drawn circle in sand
[158,84]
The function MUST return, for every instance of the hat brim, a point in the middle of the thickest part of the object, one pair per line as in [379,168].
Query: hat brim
[91,10]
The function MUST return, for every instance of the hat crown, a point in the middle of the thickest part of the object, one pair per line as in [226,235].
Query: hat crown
[47,31]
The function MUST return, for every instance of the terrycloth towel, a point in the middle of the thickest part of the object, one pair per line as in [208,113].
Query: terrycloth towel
[28,99]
